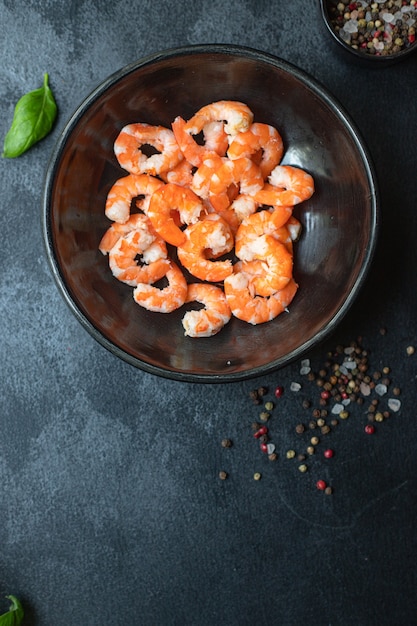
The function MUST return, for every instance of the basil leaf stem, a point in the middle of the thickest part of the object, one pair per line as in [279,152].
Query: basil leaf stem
[14,615]
[33,119]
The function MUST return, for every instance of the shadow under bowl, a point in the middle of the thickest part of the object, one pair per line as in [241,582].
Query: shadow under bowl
[339,221]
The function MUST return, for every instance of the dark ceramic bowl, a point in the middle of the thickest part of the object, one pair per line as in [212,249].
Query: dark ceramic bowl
[339,221]
[362,58]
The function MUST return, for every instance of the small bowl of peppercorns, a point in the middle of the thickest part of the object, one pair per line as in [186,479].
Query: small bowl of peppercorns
[376,33]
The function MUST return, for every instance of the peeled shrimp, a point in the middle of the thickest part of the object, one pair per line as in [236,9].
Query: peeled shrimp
[206,240]
[251,308]
[169,204]
[237,115]
[123,255]
[166,299]
[264,222]
[202,176]
[133,137]
[137,221]
[124,190]
[243,172]
[216,121]
[210,320]
[215,141]
[287,186]
[259,138]
[181,174]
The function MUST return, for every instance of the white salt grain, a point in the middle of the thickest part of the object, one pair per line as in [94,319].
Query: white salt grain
[394,404]
[381,389]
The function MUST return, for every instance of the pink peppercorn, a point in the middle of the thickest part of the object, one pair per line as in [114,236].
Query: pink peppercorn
[328,453]
[279,391]
[370,429]
[262,431]
[264,447]
[325,395]
[321,484]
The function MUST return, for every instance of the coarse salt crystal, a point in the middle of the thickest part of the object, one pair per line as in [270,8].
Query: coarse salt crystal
[381,389]
[349,350]
[394,404]
[351,26]
[270,448]
[346,401]
[388,17]
[350,365]
[338,408]
[365,389]
[295,386]
[305,367]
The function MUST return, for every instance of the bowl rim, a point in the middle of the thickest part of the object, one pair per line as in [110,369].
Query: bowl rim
[243,52]
[370,59]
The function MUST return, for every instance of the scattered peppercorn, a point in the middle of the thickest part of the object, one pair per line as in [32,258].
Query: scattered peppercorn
[369,429]
[328,453]
[262,431]
[321,484]
[257,476]
[264,416]
[226,443]
[223,475]
[279,390]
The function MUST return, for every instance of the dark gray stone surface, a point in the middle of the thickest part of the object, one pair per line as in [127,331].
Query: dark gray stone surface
[111,507]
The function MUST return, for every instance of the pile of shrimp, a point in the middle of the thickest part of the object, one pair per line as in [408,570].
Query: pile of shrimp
[212,202]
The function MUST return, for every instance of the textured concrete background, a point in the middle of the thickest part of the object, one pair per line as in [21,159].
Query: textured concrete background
[111,509]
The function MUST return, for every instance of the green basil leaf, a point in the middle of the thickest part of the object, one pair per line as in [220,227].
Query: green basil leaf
[33,118]
[14,615]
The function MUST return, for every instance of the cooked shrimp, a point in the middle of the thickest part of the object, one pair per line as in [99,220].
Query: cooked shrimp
[137,221]
[237,115]
[181,174]
[215,138]
[124,190]
[243,172]
[207,240]
[259,138]
[216,121]
[243,206]
[202,176]
[133,137]
[123,258]
[215,141]
[210,320]
[264,222]
[166,299]
[294,227]
[287,185]
[171,203]
[277,263]
[251,308]
[258,239]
